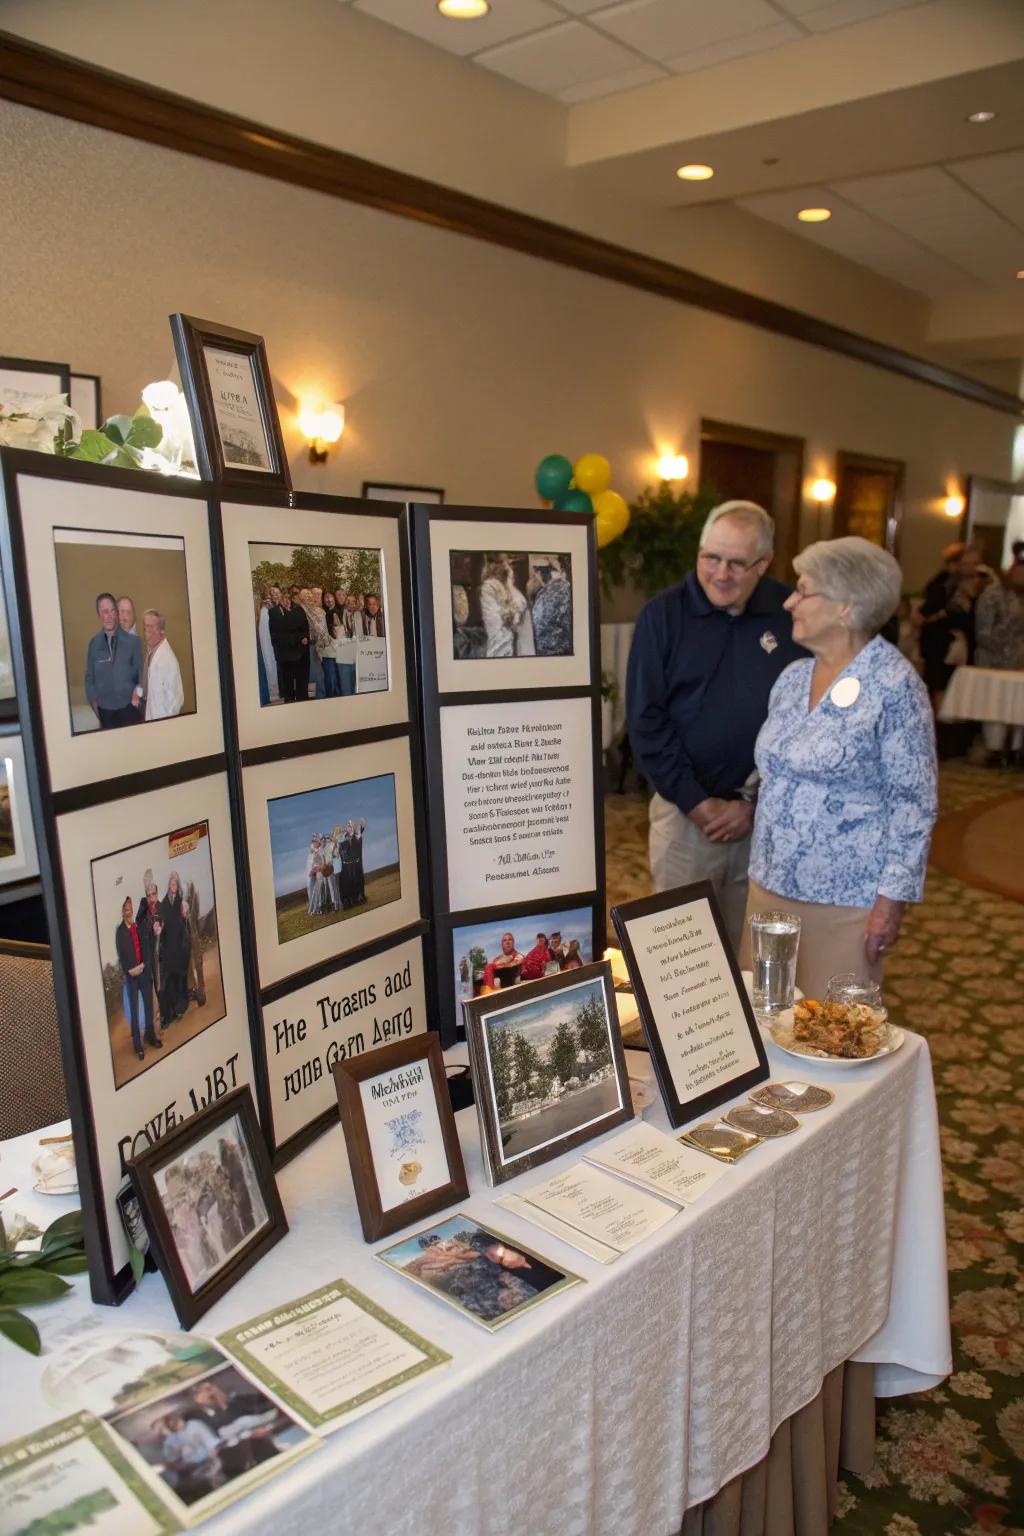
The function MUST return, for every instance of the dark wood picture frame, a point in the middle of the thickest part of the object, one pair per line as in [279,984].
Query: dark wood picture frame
[93,383]
[406,493]
[60,371]
[348,1076]
[680,1113]
[188,1304]
[191,337]
[523,996]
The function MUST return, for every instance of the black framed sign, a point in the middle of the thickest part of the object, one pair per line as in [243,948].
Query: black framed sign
[696,1015]
[226,379]
[24,380]
[383,490]
[87,399]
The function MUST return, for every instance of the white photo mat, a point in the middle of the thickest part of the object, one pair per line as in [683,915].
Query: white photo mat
[24,862]
[266,726]
[512,672]
[98,755]
[296,776]
[95,833]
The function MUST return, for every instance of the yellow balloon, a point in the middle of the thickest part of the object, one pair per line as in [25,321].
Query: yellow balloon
[612,517]
[592,473]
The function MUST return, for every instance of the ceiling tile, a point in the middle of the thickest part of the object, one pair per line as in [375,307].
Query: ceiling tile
[506,19]
[607,85]
[846,13]
[999,179]
[736,47]
[664,29]
[559,57]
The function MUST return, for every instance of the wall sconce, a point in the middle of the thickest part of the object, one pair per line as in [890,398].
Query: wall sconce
[321,426]
[954,506]
[673,466]
[823,491]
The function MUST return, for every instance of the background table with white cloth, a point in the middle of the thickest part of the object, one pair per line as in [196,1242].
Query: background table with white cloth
[613,1408]
[983,693]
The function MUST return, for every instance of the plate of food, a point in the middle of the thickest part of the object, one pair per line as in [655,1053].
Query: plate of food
[845,1034]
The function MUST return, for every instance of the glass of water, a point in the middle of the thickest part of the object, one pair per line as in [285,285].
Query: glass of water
[774,941]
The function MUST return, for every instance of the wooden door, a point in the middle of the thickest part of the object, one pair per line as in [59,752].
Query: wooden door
[869,499]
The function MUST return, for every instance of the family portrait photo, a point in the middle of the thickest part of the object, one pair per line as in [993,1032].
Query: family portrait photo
[334,853]
[127,636]
[550,1067]
[510,603]
[320,622]
[212,1200]
[156,922]
[491,955]
[476,1270]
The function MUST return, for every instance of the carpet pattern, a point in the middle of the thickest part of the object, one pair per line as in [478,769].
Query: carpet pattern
[948,1462]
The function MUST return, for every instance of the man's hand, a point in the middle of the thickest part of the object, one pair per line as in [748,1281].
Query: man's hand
[723,821]
[882,927]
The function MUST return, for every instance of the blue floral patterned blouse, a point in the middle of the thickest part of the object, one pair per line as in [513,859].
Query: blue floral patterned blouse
[848,796]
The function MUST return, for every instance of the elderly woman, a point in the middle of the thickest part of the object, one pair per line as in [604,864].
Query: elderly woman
[847,764]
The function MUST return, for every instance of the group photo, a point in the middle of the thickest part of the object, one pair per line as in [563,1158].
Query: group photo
[127,634]
[491,955]
[212,1200]
[320,622]
[510,603]
[334,853]
[156,921]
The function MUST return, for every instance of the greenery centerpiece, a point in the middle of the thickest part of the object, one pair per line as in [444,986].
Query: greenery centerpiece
[659,547]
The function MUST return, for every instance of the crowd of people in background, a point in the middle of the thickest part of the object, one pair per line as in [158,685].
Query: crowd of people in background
[308,640]
[129,680]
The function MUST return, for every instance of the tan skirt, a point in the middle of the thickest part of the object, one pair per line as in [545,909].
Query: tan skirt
[831,939]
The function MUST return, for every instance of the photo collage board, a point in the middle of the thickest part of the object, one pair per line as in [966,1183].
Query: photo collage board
[235,893]
[510,661]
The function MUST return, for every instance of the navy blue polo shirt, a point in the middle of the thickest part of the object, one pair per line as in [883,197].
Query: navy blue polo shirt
[698,684]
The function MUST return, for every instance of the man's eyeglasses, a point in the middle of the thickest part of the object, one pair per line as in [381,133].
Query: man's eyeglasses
[734,567]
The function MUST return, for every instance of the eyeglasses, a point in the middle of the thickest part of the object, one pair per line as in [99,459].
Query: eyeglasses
[734,567]
[800,596]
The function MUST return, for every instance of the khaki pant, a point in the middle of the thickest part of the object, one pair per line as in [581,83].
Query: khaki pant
[831,939]
[681,854]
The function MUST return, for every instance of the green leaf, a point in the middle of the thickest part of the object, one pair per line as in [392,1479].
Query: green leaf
[30,1285]
[144,432]
[137,1260]
[93,447]
[20,1330]
[65,1264]
[117,428]
[65,1226]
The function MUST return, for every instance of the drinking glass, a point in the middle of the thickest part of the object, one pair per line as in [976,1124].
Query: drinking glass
[850,988]
[774,941]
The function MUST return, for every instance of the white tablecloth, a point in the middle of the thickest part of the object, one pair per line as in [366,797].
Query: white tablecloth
[982,693]
[613,1408]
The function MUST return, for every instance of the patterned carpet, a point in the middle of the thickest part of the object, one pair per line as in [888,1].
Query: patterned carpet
[948,1462]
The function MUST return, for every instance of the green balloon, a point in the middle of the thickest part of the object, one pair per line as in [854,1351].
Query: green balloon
[553,476]
[574,501]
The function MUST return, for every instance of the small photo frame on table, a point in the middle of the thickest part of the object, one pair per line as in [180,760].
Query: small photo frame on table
[227,384]
[403,1147]
[549,1073]
[25,380]
[18,858]
[210,1202]
[696,1015]
[377,490]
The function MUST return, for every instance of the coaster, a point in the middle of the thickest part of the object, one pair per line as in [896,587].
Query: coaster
[720,1140]
[762,1120]
[798,1098]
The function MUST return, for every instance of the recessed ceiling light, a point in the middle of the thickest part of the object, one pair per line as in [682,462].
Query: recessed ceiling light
[980,117]
[463,10]
[695,172]
[814,215]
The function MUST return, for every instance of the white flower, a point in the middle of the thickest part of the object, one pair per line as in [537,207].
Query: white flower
[35,423]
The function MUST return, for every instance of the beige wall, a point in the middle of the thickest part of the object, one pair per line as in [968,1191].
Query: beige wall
[459,363]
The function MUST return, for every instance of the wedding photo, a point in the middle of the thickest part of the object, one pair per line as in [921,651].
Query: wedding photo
[320,622]
[212,1200]
[156,924]
[491,955]
[334,853]
[508,603]
[127,635]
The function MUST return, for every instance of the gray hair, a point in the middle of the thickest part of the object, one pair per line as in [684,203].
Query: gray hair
[857,572]
[747,512]
[154,613]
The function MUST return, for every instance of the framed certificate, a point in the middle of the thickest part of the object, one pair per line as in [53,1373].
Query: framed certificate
[226,379]
[696,1015]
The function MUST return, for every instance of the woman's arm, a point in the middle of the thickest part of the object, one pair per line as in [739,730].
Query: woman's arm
[909,779]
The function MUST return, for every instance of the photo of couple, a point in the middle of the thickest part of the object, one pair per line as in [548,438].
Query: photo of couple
[334,853]
[488,956]
[211,1197]
[156,921]
[127,635]
[510,603]
[320,624]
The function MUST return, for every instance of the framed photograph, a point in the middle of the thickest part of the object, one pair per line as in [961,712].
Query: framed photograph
[483,1274]
[226,380]
[24,380]
[317,620]
[18,858]
[548,1068]
[332,853]
[510,599]
[209,1201]
[696,1015]
[400,1133]
[8,701]
[501,951]
[87,399]
[375,490]
[145,961]
[114,583]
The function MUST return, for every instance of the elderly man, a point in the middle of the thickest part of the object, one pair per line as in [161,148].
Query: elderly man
[162,687]
[126,615]
[113,669]
[705,657]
